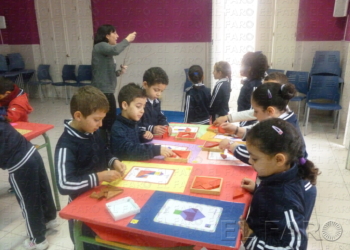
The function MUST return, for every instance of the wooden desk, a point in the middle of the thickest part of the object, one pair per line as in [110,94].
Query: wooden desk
[32,130]
[94,213]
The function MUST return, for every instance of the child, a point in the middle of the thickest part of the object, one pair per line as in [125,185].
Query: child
[221,93]
[197,98]
[253,67]
[283,201]
[248,115]
[269,100]
[155,81]
[82,160]
[29,181]
[14,104]
[126,137]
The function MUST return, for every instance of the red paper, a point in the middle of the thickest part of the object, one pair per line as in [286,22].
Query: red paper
[210,144]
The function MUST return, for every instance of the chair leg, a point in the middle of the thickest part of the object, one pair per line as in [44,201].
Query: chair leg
[299,111]
[307,120]
[182,103]
[338,124]
[65,88]
[56,91]
[335,115]
[40,92]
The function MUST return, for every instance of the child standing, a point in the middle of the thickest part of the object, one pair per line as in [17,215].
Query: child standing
[221,93]
[197,98]
[14,104]
[82,160]
[283,201]
[126,136]
[253,67]
[29,181]
[269,100]
[155,81]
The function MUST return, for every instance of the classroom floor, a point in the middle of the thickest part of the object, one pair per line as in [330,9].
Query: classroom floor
[332,204]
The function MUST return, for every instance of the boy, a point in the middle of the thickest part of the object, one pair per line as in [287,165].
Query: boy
[81,157]
[126,137]
[155,81]
[29,181]
[14,103]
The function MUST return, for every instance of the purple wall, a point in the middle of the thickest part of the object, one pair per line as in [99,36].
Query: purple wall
[156,21]
[21,22]
[316,21]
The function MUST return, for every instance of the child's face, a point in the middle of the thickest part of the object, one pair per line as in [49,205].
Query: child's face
[217,74]
[259,113]
[263,164]
[154,91]
[91,123]
[112,38]
[135,109]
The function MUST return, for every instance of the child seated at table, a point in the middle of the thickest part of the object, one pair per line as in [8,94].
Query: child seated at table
[126,137]
[82,159]
[197,98]
[155,81]
[283,201]
[14,104]
[29,181]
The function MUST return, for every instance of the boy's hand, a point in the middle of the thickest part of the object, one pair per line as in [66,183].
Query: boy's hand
[119,166]
[166,152]
[108,175]
[220,120]
[245,229]
[170,130]
[148,135]
[131,37]
[248,184]
[229,128]
[159,130]
[224,144]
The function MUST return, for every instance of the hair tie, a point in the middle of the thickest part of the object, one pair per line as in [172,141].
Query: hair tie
[302,161]
[282,87]
[278,130]
[269,94]
[195,73]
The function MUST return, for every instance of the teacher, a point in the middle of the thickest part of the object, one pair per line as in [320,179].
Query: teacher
[104,68]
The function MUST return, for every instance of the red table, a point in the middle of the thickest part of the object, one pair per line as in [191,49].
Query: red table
[35,130]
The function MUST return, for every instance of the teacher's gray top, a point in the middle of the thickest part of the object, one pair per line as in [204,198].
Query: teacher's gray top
[103,65]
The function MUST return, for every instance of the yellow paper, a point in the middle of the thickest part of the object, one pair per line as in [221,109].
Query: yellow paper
[23,131]
[209,136]
[177,182]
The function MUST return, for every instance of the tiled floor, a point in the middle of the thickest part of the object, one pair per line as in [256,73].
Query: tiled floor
[333,200]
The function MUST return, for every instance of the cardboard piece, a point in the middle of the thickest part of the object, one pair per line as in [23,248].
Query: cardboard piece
[108,192]
[180,156]
[186,136]
[211,146]
[213,128]
[163,136]
[238,192]
[206,185]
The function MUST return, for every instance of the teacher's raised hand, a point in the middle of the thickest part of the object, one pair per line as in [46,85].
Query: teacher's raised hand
[131,37]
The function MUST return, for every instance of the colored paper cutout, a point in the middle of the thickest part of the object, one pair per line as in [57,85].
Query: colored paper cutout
[210,144]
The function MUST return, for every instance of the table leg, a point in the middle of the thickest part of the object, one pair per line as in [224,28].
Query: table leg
[52,170]
[79,245]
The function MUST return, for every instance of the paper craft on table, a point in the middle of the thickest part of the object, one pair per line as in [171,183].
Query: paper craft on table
[172,147]
[217,156]
[189,215]
[177,129]
[226,137]
[153,175]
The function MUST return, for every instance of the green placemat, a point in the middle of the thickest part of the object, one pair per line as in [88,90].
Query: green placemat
[202,128]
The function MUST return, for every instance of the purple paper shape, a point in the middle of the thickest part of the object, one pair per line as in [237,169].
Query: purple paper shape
[192,214]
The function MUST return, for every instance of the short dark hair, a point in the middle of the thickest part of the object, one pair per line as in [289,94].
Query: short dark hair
[6,85]
[257,63]
[195,74]
[155,75]
[276,76]
[129,92]
[273,94]
[274,135]
[87,100]
[102,32]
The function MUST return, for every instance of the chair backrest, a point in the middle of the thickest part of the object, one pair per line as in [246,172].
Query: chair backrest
[68,73]
[84,74]
[275,70]
[300,79]
[43,73]
[327,63]
[187,83]
[15,62]
[324,87]
[3,64]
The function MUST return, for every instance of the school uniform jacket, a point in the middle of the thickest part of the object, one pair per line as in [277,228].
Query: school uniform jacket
[241,151]
[127,141]
[243,101]
[78,158]
[15,150]
[197,105]
[220,98]
[152,116]
[18,108]
[279,212]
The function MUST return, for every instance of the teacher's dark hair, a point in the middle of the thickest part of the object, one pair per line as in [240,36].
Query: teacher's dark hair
[102,32]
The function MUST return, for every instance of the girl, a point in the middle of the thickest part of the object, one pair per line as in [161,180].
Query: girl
[283,201]
[269,100]
[197,98]
[253,67]
[104,67]
[221,93]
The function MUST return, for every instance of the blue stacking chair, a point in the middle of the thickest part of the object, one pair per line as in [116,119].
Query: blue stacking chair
[187,85]
[13,76]
[300,80]
[326,63]
[3,65]
[84,77]
[17,65]
[68,77]
[323,88]
[275,70]
[44,78]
